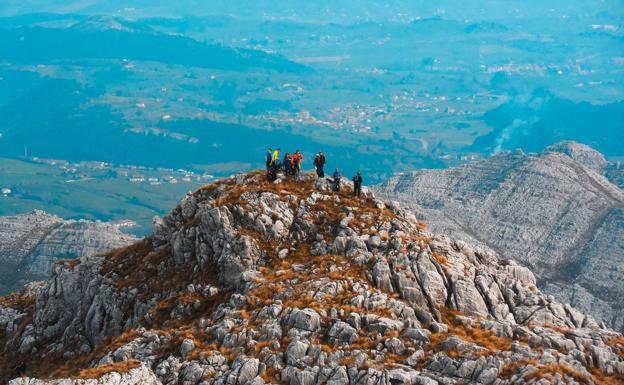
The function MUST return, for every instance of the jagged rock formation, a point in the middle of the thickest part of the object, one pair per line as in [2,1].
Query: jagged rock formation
[248,283]
[582,154]
[552,212]
[31,243]
[615,173]
[591,159]
[136,374]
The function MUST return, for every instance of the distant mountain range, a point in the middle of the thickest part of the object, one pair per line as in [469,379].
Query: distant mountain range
[321,11]
[31,244]
[554,212]
[111,38]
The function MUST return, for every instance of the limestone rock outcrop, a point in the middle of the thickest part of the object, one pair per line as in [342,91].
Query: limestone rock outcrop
[553,212]
[248,283]
[30,245]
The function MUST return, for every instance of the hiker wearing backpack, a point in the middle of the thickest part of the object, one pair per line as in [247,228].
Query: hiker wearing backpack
[288,164]
[357,184]
[319,163]
[337,176]
[275,157]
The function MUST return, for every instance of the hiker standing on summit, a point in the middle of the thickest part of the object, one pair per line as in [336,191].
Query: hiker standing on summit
[357,184]
[296,162]
[336,181]
[275,158]
[319,163]
[288,164]
[269,159]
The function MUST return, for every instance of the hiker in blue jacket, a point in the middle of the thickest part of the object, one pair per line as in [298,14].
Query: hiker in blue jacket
[336,181]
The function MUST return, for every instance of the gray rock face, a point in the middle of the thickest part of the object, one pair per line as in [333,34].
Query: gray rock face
[582,154]
[30,244]
[209,300]
[138,376]
[552,212]
[615,173]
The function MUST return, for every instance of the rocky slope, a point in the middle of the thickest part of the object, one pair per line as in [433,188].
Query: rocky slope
[553,212]
[31,243]
[591,159]
[247,283]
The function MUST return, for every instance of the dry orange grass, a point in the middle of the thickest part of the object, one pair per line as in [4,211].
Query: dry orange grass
[72,368]
[474,334]
[565,370]
[617,343]
[596,377]
[559,329]
[270,375]
[599,378]
[441,259]
[510,369]
[119,367]
[18,301]
[71,263]
[261,345]
[347,361]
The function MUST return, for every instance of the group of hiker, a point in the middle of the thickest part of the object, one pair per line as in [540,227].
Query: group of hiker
[291,166]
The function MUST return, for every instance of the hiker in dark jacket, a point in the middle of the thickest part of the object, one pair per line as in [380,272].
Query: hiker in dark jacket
[357,184]
[269,159]
[319,163]
[288,164]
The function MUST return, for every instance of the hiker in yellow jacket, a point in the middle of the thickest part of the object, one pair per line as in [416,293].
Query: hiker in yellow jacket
[276,155]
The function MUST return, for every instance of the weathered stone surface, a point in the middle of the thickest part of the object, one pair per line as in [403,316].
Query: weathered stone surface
[138,376]
[30,245]
[553,212]
[342,332]
[306,319]
[209,300]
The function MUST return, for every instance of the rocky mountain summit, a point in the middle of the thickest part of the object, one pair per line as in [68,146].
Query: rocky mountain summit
[553,212]
[248,283]
[30,245]
[591,159]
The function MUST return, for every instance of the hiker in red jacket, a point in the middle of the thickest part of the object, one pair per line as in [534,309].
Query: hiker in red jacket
[296,160]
